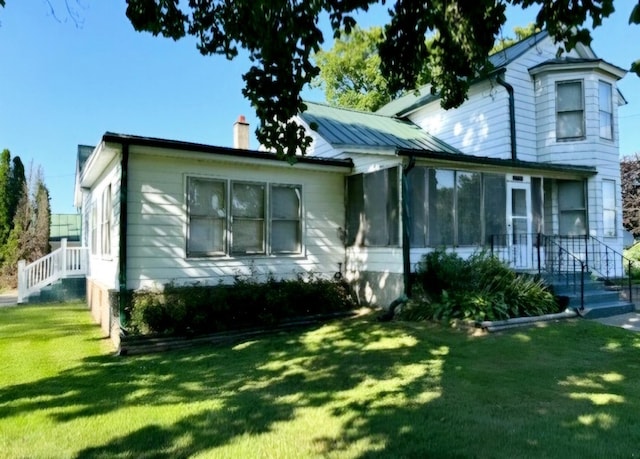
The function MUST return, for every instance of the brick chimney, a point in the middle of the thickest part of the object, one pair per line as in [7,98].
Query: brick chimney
[241,133]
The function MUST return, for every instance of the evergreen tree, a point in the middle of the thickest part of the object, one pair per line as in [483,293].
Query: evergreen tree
[42,220]
[16,185]
[5,192]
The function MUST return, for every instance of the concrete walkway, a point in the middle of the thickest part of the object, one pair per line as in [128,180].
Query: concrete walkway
[629,321]
[9,298]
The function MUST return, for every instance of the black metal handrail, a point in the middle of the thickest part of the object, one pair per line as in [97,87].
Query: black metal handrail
[610,265]
[562,264]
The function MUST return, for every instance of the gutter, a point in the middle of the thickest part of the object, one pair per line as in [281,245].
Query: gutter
[122,250]
[512,113]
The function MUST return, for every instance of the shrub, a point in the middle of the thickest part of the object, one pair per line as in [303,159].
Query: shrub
[198,309]
[633,253]
[479,288]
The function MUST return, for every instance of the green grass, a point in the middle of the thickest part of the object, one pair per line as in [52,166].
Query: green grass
[349,389]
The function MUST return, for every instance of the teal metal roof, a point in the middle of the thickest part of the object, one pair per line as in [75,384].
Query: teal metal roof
[351,128]
[65,226]
[498,61]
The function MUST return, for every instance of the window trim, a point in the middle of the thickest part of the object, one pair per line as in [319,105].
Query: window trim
[581,110]
[225,225]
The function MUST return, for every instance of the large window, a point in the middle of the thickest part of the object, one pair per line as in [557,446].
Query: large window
[569,110]
[373,216]
[605,100]
[213,231]
[609,207]
[455,207]
[571,204]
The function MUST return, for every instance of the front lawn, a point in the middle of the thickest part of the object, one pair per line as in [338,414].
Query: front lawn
[354,388]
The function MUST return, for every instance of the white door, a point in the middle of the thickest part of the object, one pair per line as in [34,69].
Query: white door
[519,237]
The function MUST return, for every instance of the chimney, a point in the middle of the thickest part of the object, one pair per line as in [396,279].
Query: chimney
[241,133]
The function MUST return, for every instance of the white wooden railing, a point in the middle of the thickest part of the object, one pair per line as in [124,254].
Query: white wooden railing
[59,264]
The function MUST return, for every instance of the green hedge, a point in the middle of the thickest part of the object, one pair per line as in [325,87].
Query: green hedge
[199,309]
[478,288]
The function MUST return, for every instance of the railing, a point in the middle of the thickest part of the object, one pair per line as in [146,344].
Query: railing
[59,264]
[563,265]
[601,261]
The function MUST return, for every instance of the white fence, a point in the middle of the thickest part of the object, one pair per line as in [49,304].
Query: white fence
[59,264]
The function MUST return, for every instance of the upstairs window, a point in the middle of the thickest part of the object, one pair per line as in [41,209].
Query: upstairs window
[569,110]
[605,100]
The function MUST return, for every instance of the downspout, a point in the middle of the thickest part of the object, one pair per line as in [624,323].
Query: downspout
[512,113]
[122,252]
[406,249]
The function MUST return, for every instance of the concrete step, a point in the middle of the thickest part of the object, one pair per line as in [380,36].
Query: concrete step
[597,311]
[69,289]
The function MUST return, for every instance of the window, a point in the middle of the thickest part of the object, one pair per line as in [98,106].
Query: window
[605,100]
[609,208]
[373,217]
[455,208]
[286,218]
[569,111]
[94,228]
[571,204]
[213,231]
[247,212]
[207,217]
[106,222]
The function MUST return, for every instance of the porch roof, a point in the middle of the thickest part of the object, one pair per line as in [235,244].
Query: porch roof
[508,164]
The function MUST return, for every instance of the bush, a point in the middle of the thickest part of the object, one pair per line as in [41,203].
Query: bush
[199,309]
[633,253]
[479,288]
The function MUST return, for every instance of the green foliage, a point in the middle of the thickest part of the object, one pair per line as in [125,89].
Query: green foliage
[350,71]
[520,34]
[281,37]
[478,288]
[5,196]
[633,254]
[198,309]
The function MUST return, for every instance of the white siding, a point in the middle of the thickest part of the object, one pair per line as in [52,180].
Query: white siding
[157,221]
[104,267]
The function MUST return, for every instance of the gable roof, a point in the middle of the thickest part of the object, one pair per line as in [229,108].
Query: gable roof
[498,61]
[345,128]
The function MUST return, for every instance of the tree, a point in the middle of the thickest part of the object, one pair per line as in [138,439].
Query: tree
[5,216]
[16,185]
[42,220]
[350,71]
[520,34]
[630,182]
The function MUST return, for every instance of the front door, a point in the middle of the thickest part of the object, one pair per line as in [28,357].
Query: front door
[519,237]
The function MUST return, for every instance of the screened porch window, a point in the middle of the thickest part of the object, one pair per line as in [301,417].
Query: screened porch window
[455,208]
[609,207]
[373,215]
[569,110]
[572,209]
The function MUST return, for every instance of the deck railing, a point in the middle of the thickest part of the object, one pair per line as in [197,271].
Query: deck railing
[59,264]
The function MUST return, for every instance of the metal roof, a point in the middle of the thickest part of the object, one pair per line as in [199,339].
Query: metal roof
[351,128]
[65,226]
[498,61]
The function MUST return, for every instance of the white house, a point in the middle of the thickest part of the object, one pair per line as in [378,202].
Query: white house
[527,167]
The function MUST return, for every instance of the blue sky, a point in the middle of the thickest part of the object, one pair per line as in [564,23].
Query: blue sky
[63,84]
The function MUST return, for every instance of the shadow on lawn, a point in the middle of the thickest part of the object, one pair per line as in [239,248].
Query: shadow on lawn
[396,389]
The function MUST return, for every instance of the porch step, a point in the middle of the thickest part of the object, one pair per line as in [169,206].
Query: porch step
[69,289]
[600,300]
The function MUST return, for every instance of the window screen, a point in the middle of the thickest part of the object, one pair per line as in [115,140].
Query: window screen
[441,189]
[468,197]
[495,207]
[571,204]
